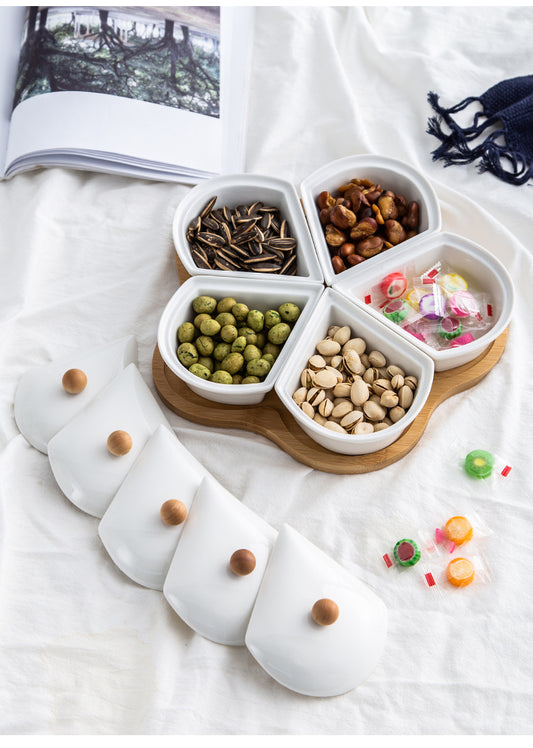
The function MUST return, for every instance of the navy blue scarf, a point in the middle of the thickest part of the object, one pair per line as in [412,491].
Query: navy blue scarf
[507,107]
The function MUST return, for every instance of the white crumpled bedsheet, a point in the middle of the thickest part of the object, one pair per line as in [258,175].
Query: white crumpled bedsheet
[88,257]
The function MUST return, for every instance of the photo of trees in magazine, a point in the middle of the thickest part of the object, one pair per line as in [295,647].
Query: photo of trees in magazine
[164,55]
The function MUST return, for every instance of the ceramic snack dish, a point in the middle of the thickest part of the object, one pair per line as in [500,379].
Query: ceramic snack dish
[467,259]
[254,293]
[390,174]
[245,189]
[334,309]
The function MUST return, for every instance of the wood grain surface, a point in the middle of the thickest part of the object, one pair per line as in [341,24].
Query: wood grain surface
[271,419]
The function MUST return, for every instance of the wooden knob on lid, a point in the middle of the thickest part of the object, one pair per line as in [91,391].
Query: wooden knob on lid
[119,443]
[74,381]
[242,562]
[325,612]
[173,512]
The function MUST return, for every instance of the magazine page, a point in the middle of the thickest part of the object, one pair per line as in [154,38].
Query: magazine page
[11,29]
[132,85]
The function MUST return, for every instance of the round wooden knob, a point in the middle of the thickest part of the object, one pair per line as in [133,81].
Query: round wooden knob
[74,381]
[325,612]
[119,443]
[173,512]
[242,562]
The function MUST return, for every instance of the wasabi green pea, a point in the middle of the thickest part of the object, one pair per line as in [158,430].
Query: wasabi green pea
[197,321]
[261,340]
[204,345]
[221,376]
[255,319]
[232,363]
[289,312]
[204,304]
[237,378]
[239,344]
[210,327]
[249,334]
[272,318]
[272,349]
[207,362]
[251,352]
[186,332]
[257,367]
[228,333]
[225,318]
[187,354]
[250,380]
[221,351]
[226,304]
[240,312]
[279,333]
[270,358]
[200,371]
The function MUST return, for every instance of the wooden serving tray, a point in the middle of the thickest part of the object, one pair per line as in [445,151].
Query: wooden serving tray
[270,418]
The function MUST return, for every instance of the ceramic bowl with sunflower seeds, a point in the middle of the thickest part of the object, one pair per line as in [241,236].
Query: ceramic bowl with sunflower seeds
[245,225]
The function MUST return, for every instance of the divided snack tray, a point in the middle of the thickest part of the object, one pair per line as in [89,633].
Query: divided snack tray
[268,408]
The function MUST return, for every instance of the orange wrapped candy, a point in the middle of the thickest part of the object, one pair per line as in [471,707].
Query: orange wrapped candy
[460,572]
[458,530]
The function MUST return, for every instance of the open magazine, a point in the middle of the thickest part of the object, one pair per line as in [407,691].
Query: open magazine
[157,93]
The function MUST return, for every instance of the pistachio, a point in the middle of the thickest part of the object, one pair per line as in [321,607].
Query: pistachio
[377,359]
[405,396]
[315,396]
[371,375]
[397,381]
[351,419]
[325,379]
[334,426]
[396,413]
[342,409]
[342,335]
[353,363]
[320,419]
[393,370]
[359,392]
[381,426]
[338,375]
[374,411]
[411,382]
[389,399]
[332,330]
[300,395]
[325,408]
[308,409]
[342,389]
[316,362]
[379,386]
[306,379]
[336,361]
[354,344]
[363,428]
[328,347]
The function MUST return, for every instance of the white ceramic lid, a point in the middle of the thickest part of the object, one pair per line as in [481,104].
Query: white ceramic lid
[313,659]
[133,533]
[43,406]
[87,473]
[200,586]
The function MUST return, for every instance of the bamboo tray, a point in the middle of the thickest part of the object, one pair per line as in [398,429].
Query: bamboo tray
[271,419]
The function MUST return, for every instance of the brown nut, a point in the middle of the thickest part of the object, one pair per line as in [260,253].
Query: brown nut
[395,231]
[373,195]
[325,200]
[401,205]
[370,247]
[242,562]
[342,218]
[387,207]
[412,217]
[347,249]
[355,197]
[354,259]
[324,216]
[365,228]
[337,264]
[334,237]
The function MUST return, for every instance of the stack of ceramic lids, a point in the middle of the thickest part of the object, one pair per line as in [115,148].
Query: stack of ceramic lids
[312,626]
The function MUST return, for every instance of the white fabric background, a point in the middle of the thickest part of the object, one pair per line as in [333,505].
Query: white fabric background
[88,257]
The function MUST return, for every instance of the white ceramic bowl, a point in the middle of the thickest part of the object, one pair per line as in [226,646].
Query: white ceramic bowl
[391,174]
[462,256]
[254,293]
[244,189]
[334,309]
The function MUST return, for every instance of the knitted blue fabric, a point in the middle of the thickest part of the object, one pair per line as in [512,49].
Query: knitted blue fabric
[507,108]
